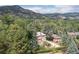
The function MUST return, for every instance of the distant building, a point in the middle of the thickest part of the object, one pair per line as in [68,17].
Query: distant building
[73,33]
[56,38]
[41,37]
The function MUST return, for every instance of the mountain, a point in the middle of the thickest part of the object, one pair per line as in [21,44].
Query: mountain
[65,16]
[25,13]
[19,11]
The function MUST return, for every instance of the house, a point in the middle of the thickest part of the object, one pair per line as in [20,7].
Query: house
[56,38]
[41,37]
[73,34]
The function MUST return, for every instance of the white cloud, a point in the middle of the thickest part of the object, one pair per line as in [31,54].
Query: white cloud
[40,9]
[55,9]
[63,9]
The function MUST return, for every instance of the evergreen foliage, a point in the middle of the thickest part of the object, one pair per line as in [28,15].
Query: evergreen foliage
[18,35]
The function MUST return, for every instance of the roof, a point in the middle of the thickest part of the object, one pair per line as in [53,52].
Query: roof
[40,34]
[73,33]
[55,36]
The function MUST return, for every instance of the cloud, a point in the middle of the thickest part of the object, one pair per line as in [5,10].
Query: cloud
[40,9]
[54,9]
[63,9]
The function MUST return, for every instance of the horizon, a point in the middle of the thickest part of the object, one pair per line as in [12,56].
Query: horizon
[46,9]
[49,9]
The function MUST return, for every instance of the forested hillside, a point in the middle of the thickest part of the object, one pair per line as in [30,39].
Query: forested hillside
[20,12]
[18,34]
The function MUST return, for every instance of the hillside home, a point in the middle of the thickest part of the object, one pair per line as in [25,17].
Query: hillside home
[73,34]
[41,37]
[56,39]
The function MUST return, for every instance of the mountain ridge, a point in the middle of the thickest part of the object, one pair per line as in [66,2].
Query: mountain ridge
[19,11]
[26,13]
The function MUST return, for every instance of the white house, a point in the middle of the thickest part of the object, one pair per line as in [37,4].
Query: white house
[41,37]
[56,38]
[73,34]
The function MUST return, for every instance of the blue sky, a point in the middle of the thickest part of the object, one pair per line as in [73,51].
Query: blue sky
[52,8]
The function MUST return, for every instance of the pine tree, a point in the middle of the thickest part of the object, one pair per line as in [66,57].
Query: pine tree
[70,44]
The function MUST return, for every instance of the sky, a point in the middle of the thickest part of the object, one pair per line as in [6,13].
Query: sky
[52,8]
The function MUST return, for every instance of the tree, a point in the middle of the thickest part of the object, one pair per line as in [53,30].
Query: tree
[70,44]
